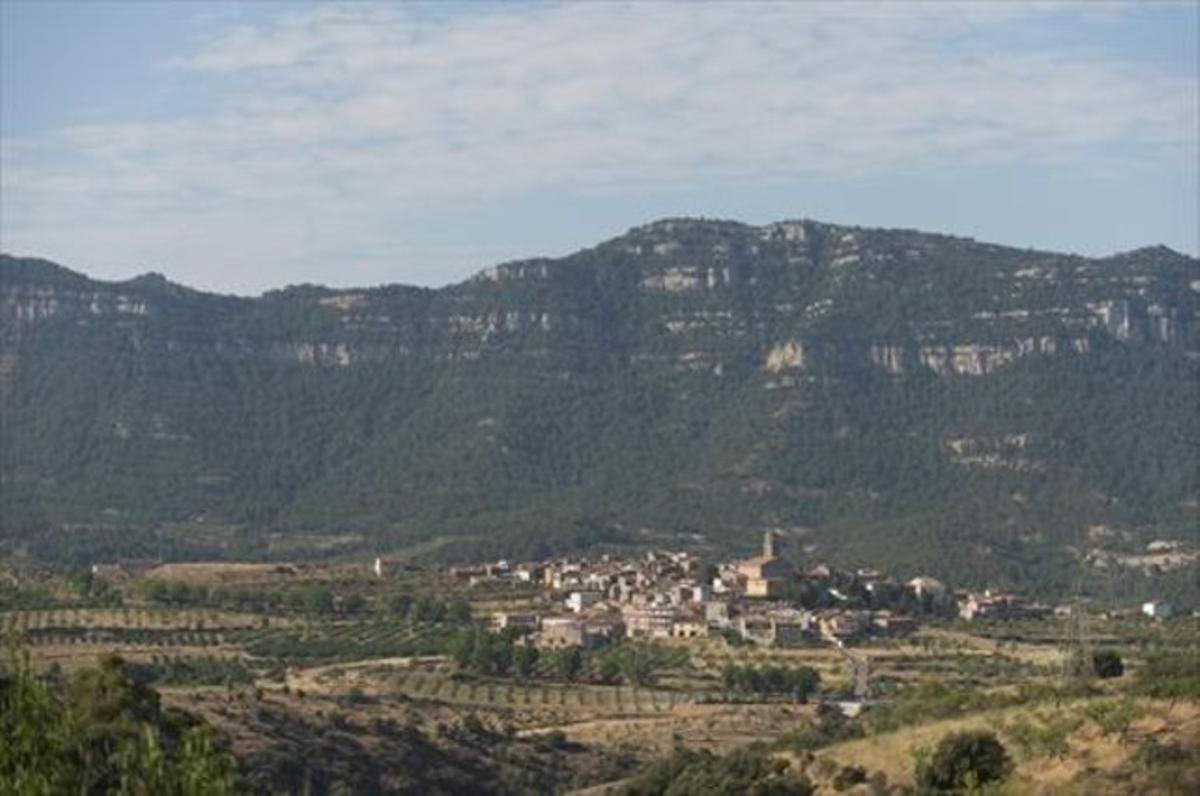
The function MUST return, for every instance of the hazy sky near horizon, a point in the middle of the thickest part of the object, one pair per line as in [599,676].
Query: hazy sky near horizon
[241,146]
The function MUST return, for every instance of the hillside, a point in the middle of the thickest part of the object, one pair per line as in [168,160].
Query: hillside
[915,400]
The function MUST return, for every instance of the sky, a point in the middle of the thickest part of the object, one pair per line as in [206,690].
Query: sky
[244,146]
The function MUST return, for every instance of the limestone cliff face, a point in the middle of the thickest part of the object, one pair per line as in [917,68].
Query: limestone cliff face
[677,292]
[711,355]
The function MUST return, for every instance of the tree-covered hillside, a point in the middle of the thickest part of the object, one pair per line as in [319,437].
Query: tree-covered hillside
[910,399]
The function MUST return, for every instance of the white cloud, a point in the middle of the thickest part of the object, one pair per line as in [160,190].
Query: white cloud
[364,107]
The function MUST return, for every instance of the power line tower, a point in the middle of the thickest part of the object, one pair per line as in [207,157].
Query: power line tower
[1076,643]
[1076,646]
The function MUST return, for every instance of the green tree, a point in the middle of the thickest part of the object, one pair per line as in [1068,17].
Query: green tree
[525,659]
[102,733]
[1107,664]
[964,760]
[318,601]
[568,663]
[637,665]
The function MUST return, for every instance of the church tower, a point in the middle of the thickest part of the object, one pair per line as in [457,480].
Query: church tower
[769,550]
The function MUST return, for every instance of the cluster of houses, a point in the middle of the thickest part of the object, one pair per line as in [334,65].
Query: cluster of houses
[674,595]
[592,602]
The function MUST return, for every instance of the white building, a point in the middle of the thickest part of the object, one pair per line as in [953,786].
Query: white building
[578,600]
[923,584]
[1157,609]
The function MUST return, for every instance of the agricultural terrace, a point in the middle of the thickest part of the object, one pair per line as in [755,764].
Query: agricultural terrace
[236,642]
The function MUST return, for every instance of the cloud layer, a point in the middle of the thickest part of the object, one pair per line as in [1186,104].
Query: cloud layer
[330,120]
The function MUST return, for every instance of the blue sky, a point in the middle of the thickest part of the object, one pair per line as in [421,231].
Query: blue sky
[245,146]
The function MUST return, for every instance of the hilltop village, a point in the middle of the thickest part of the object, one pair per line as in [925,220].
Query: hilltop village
[765,600]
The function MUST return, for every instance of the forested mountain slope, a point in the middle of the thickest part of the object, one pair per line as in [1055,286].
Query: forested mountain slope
[915,399]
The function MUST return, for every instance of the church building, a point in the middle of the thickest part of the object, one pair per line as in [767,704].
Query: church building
[765,575]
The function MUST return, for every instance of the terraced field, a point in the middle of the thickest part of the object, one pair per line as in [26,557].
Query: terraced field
[345,641]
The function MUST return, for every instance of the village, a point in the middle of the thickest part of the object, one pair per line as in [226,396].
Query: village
[606,655]
[765,600]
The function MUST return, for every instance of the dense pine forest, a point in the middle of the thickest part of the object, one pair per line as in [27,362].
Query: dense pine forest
[882,396]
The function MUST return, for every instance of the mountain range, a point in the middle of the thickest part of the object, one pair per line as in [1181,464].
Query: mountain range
[880,396]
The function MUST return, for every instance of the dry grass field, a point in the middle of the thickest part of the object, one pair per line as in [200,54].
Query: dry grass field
[275,670]
[1089,749]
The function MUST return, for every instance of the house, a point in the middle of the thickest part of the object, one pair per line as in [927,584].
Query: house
[1164,546]
[888,624]
[819,572]
[124,566]
[649,621]
[1157,609]
[561,631]
[521,621]
[726,580]
[470,574]
[867,575]
[997,605]
[578,600]
[716,613]
[527,574]
[843,624]
[790,628]
[601,627]
[756,628]
[689,626]
[780,628]
[588,632]
[923,585]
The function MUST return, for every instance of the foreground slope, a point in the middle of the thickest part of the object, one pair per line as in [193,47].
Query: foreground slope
[916,399]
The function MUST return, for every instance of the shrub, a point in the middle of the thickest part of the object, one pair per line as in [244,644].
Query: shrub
[749,770]
[1113,718]
[1107,664]
[848,777]
[1047,738]
[568,662]
[554,739]
[829,728]
[1173,676]
[356,696]
[964,760]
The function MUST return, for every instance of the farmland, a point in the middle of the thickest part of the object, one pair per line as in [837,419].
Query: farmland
[270,655]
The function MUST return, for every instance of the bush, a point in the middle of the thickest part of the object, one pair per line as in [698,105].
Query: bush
[554,739]
[830,727]
[962,761]
[1048,737]
[356,697]
[1173,676]
[749,770]
[1107,664]
[1114,718]
[848,777]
